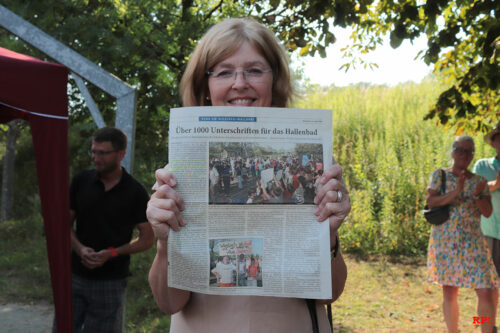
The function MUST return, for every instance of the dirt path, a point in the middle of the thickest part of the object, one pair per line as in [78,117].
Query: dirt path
[21,318]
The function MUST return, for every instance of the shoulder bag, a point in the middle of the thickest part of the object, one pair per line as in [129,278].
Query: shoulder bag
[438,215]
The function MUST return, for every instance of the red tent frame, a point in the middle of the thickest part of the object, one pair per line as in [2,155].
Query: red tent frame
[36,91]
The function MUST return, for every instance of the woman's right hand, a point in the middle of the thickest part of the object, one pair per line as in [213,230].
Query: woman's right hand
[165,205]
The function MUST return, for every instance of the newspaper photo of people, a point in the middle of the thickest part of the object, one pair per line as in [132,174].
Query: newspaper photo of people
[253,173]
[236,262]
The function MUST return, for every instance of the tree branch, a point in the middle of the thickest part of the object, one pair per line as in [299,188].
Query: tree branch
[209,14]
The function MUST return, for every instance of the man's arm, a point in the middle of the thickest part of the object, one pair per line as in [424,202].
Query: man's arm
[75,243]
[87,254]
[478,168]
[495,184]
[483,202]
[142,243]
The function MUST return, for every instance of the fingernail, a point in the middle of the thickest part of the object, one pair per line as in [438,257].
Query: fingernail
[171,182]
[183,221]
[323,178]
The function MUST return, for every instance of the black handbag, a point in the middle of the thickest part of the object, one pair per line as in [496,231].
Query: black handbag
[438,215]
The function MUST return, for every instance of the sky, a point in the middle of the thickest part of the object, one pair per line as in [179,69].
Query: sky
[395,65]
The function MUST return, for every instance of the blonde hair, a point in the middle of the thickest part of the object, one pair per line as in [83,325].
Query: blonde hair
[220,42]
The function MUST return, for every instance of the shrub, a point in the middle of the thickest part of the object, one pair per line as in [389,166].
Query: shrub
[387,152]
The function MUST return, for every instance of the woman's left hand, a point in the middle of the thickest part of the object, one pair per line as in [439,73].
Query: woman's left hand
[332,198]
[480,187]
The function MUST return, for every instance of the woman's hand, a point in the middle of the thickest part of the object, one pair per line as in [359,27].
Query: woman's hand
[165,206]
[164,213]
[483,202]
[329,203]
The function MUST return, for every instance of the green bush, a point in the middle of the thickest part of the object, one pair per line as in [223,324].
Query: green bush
[387,152]
[143,315]
[23,263]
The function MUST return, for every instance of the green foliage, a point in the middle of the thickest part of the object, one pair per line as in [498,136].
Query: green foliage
[143,315]
[463,43]
[26,198]
[387,154]
[23,262]
[145,43]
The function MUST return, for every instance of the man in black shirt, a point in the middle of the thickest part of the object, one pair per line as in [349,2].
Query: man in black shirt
[107,203]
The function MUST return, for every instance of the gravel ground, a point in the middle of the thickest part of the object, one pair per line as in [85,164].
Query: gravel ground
[20,318]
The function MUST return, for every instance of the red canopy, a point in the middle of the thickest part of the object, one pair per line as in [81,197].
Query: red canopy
[36,91]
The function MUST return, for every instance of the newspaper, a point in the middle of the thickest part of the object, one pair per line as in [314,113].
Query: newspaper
[248,177]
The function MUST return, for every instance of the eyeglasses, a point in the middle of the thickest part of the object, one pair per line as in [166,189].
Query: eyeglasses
[463,151]
[101,153]
[254,75]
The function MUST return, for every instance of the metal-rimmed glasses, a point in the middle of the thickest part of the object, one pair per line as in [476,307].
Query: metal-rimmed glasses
[463,151]
[100,153]
[254,75]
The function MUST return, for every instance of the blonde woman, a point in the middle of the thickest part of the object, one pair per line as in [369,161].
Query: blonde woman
[239,62]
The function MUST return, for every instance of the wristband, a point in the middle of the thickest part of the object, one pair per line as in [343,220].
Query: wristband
[335,249]
[113,252]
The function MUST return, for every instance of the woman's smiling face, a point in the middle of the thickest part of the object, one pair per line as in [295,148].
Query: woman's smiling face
[250,84]
[463,154]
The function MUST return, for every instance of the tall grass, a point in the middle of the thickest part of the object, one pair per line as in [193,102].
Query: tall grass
[388,153]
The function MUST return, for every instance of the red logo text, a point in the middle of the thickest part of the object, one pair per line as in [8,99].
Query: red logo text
[480,320]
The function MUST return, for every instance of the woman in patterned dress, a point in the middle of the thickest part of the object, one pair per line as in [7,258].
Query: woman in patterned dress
[458,254]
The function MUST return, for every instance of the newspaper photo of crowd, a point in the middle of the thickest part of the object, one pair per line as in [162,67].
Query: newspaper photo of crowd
[236,262]
[252,173]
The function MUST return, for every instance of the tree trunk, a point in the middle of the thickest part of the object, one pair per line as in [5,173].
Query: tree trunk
[6,209]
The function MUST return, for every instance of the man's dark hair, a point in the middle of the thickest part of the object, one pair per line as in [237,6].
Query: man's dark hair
[277,190]
[116,136]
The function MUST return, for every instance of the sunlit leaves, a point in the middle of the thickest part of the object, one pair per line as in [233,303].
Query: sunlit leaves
[148,42]
[463,43]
